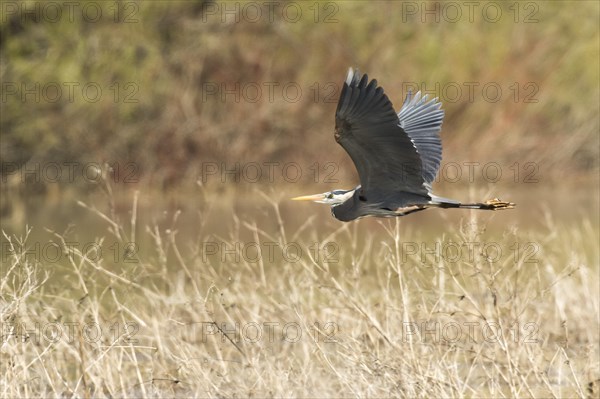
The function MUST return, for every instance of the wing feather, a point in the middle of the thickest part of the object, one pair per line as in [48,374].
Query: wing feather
[368,128]
[422,121]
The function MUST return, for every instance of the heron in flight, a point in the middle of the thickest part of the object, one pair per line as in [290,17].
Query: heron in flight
[397,156]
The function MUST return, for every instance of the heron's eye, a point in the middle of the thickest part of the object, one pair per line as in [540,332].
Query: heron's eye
[330,196]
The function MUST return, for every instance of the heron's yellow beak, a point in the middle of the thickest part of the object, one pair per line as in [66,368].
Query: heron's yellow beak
[314,197]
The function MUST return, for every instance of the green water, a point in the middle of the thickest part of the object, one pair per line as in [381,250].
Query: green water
[218,227]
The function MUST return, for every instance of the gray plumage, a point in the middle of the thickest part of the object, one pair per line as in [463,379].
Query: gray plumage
[397,155]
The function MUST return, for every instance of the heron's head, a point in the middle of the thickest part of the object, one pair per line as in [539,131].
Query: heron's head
[332,198]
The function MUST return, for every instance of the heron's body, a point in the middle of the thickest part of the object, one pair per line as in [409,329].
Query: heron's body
[397,156]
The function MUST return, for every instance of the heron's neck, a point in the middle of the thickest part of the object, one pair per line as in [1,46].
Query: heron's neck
[347,195]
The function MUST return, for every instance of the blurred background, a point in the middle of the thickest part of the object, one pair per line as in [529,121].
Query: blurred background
[149,150]
[188,101]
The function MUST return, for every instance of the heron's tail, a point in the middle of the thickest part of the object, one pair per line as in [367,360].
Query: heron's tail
[492,205]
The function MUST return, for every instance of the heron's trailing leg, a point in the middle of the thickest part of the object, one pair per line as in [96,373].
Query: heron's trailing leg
[492,205]
[495,204]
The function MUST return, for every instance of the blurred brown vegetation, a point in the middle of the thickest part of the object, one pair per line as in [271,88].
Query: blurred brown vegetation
[170,51]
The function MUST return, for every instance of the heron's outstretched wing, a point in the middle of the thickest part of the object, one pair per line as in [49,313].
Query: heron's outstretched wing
[422,121]
[367,126]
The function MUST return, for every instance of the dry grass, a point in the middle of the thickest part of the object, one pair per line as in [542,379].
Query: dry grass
[384,319]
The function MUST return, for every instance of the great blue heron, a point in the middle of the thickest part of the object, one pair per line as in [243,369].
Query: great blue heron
[397,156]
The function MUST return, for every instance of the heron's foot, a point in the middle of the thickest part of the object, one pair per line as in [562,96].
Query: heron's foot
[496,204]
